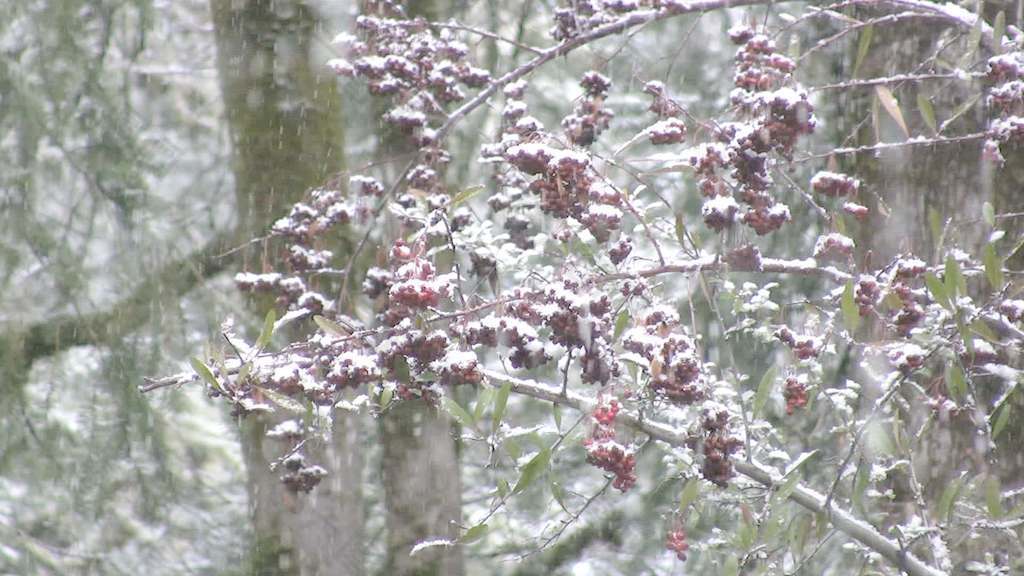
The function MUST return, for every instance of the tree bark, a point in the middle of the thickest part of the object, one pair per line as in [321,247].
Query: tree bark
[284,118]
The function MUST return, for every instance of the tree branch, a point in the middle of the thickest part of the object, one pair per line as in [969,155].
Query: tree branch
[809,499]
[51,336]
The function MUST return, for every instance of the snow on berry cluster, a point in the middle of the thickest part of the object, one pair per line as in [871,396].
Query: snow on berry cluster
[1006,72]
[671,356]
[775,114]
[718,446]
[590,117]
[604,451]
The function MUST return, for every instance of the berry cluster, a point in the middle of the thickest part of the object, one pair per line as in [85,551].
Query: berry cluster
[795,394]
[590,117]
[833,246]
[301,477]
[911,312]
[675,368]
[676,542]
[604,451]
[669,129]
[867,294]
[834,185]
[718,447]
[413,284]
[1006,72]
[803,346]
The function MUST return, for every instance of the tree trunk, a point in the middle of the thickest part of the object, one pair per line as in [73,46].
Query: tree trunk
[285,125]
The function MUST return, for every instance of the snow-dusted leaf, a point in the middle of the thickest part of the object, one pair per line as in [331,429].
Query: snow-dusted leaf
[532,470]
[206,374]
[924,106]
[993,267]
[892,106]
[851,312]
[458,412]
[473,534]
[800,461]
[690,492]
[764,389]
[988,212]
[464,195]
[268,329]
[289,404]
[331,327]
[440,542]
[863,45]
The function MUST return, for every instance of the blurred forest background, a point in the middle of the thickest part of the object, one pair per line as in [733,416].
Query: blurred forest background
[142,140]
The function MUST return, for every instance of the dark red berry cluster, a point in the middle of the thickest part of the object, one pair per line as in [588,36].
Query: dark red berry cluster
[1006,72]
[867,294]
[675,368]
[669,129]
[795,394]
[676,542]
[834,185]
[604,451]
[299,476]
[803,346]
[590,117]
[718,445]
[413,285]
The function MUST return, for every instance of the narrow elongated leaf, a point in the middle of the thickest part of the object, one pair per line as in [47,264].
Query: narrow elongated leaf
[851,312]
[863,45]
[1001,419]
[690,492]
[988,212]
[924,106]
[993,267]
[533,469]
[206,374]
[458,412]
[620,323]
[948,498]
[800,461]
[473,534]
[500,401]
[465,195]
[960,111]
[993,497]
[998,31]
[764,389]
[956,283]
[268,329]
[956,383]
[331,327]
[283,401]
[892,106]
[483,400]
[938,290]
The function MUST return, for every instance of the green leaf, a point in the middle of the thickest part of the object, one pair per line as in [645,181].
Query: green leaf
[206,374]
[283,401]
[924,106]
[458,412]
[988,212]
[998,31]
[851,313]
[500,401]
[956,383]
[892,106]
[948,498]
[981,329]
[690,492]
[863,45]
[483,400]
[558,492]
[556,413]
[473,534]
[1001,419]
[956,284]
[993,497]
[763,390]
[937,290]
[731,566]
[465,195]
[787,488]
[800,461]
[268,329]
[936,228]
[401,370]
[532,470]
[993,267]
[331,327]
[502,487]
[621,322]
[385,396]
[960,111]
